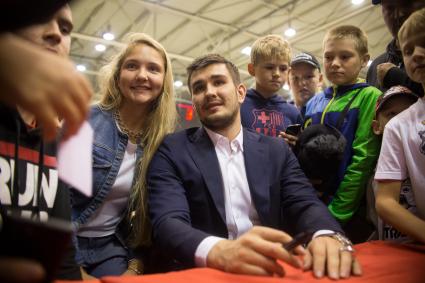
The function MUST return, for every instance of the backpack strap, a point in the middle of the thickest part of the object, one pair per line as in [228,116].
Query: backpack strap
[345,111]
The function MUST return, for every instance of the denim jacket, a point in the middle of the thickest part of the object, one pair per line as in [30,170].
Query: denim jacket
[108,152]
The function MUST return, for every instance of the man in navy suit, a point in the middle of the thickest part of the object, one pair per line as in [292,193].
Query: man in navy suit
[221,196]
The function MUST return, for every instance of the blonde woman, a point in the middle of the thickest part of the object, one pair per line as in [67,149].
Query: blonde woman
[136,110]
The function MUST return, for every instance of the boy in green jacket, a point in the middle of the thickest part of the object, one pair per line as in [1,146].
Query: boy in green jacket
[348,105]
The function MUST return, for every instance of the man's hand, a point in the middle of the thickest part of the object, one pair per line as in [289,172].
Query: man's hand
[18,270]
[256,253]
[382,70]
[135,267]
[325,256]
[44,84]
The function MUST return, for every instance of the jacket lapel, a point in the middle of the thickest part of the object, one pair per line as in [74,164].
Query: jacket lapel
[255,154]
[203,153]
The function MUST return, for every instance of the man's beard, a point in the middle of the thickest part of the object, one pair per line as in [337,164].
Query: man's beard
[219,123]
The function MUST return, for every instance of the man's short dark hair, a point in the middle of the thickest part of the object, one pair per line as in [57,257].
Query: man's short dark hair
[320,149]
[209,59]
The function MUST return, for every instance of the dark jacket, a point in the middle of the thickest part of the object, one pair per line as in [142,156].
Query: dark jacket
[186,197]
[24,164]
[395,76]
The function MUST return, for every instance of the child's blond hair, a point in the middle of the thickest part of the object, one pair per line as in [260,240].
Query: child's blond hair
[413,27]
[270,46]
[352,32]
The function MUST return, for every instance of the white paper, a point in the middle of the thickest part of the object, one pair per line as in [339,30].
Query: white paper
[75,160]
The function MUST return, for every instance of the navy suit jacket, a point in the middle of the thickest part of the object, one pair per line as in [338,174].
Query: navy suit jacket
[186,199]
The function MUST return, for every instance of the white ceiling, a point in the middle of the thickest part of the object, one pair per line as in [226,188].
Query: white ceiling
[189,28]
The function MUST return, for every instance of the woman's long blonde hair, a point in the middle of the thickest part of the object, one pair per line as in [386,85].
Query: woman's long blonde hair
[160,121]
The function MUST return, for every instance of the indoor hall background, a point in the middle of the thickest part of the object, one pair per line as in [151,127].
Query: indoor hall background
[190,28]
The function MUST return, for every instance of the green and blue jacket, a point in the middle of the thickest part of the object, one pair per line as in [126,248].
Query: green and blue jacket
[362,148]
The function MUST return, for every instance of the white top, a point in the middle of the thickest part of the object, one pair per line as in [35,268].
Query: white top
[105,219]
[403,152]
[241,214]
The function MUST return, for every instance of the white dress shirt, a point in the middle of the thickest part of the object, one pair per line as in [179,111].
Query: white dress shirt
[241,214]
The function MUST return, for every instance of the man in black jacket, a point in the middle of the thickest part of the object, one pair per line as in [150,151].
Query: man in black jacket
[387,69]
[29,182]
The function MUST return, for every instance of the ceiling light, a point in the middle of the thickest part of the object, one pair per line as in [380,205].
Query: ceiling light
[357,2]
[178,83]
[285,87]
[290,32]
[108,36]
[100,47]
[81,68]
[246,50]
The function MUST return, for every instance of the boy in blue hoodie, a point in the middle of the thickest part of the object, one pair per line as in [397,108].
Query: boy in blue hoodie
[263,109]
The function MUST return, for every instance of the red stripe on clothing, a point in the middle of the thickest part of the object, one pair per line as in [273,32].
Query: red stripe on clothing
[8,149]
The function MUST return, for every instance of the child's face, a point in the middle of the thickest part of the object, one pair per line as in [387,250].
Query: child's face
[342,62]
[392,107]
[304,81]
[413,50]
[270,75]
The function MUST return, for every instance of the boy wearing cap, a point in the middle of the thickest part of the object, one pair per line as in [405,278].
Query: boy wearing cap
[348,105]
[305,79]
[391,103]
[403,146]
[263,109]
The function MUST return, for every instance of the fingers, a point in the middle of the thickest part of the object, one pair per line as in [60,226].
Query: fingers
[308,260]
[326,253]
[382,70]
[345,265]
[275,250]
[253,270]
[236,256]
[269,243]
[318,250]
[256,252]
[333,260]
[52,87]
[357,268]
[46,117]
[74,106]
[20,271]
[263,264]
[290,139]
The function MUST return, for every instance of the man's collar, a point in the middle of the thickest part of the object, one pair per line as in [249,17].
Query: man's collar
[215,137]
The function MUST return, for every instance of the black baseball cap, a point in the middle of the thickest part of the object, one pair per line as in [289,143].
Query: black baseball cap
[305,57]
[376,2]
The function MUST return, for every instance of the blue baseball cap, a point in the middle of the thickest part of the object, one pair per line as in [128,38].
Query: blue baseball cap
[376,2]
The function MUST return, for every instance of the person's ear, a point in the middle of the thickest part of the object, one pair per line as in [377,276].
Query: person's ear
[365,60]
[251,69]
[376,127]
[241,91]
[288,81]
[320,83]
